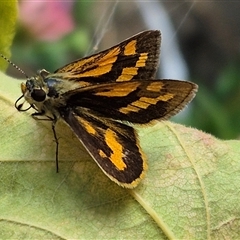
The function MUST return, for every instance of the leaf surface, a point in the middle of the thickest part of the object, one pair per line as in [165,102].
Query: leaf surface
[191,190]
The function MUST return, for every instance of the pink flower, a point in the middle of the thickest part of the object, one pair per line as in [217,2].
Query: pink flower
[47,20]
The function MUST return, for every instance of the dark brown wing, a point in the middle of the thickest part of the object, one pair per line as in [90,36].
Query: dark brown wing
[136,101]
[134,58]
[113,145]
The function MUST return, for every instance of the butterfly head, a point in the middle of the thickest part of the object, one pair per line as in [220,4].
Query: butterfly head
[34,91]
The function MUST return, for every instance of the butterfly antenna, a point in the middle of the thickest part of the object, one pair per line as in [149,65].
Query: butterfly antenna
[14,65]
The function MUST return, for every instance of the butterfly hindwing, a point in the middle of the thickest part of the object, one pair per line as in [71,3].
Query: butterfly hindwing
[113,145]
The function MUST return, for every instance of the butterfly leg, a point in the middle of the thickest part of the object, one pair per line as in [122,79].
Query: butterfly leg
[37,116]
[56,140]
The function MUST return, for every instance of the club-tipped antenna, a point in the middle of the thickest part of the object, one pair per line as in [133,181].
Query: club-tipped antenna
[14,65]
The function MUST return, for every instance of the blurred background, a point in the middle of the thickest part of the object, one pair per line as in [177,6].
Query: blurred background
[200,43]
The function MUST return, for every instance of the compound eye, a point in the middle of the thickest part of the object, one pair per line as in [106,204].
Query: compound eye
[38,95]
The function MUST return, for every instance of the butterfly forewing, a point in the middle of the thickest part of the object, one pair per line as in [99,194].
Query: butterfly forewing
[134,58]
[136,101]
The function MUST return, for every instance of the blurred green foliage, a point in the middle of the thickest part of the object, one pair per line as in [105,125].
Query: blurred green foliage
[217,109]
[8,16]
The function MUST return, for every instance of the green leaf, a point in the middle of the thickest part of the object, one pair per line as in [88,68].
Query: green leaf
[191,190]
[8,16]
